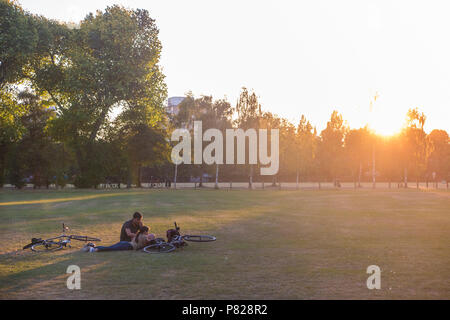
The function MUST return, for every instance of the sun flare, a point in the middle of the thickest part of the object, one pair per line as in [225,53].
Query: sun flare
[385,127]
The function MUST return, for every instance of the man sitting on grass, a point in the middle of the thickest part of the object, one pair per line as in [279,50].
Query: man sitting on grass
[131,227]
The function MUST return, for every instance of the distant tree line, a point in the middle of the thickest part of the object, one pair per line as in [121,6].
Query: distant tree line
[336,154]
[85,104]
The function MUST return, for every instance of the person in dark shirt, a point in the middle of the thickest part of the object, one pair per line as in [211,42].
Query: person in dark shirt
[131,227]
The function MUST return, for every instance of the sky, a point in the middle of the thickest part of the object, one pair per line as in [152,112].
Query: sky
[302,57]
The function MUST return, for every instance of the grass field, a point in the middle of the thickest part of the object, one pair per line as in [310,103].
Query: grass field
[270,244]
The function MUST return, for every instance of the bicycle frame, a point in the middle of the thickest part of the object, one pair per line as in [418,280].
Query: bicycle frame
[177,241]
[62,240]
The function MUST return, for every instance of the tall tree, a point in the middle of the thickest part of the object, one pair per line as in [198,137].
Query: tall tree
[416,147]
[389,158]
[18,41]
[111,60]
[358,147]
[11,126]
[33,155]
[439,159]
[213,115]
[331,146]
[306,144]
[248,117]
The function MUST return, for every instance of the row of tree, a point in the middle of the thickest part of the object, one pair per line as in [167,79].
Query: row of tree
[337,153]
[84,104]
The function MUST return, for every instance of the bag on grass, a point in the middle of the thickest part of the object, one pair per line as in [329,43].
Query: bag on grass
[171,234]
[33,242]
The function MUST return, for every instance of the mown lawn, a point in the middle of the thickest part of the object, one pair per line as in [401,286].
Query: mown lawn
[270,244]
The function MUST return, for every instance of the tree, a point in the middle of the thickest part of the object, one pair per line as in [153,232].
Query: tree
[248,116]
[11,126]
[416,146]
[143,142]
[111,60]
[331,146]
[358,147]
[32,155]
[18,41]
[389,158]
[213,115]
[439,159]
[221,113]
[306,148]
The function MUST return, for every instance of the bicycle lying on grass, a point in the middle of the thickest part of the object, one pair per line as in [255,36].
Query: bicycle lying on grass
[175,240]
[57,243]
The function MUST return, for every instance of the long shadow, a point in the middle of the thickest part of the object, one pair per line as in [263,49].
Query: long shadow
[21,283]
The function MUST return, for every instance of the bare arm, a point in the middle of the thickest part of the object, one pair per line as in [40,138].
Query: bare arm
[129,233]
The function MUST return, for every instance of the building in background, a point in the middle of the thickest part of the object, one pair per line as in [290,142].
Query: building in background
[172,105]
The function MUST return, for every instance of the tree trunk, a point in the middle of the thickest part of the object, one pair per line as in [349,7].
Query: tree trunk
[98,123]
[297,181]
[2,165]
[359,175]
[406,177]
[139,176]
[373,168]
[250,180]
[129,179]
[216,185]
[175,177]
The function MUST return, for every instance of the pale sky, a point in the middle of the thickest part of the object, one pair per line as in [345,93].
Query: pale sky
[302,57]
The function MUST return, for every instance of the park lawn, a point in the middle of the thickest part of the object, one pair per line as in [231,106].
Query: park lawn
[271,244]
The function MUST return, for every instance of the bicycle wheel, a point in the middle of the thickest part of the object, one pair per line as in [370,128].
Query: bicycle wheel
[202,238]
[47,246]
[159,248]
[84,238]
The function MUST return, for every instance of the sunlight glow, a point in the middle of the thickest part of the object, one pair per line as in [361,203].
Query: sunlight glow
[312,58]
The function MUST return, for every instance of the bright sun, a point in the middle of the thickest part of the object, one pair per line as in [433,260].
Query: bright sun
[382,122]
[385,123]
[385,128]
[383,119]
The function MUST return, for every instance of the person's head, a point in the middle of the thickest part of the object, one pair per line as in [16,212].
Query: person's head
[142,230]
[137,218]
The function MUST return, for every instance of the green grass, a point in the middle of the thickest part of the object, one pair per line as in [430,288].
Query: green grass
[270,244]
